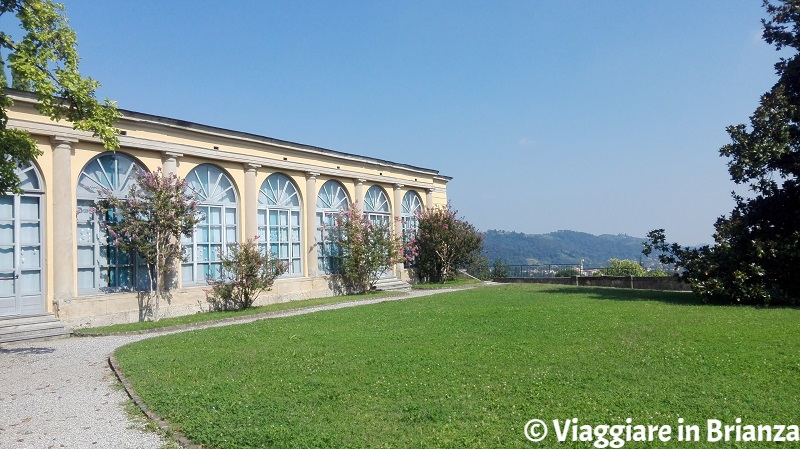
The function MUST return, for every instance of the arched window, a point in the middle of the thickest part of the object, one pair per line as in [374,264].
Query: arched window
[376,206]
[216,199]
[412,204]
[332,198]
[21,247]
[279,221]
[102,267]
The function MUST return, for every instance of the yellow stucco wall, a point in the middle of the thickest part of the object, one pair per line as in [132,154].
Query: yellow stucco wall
[150,139]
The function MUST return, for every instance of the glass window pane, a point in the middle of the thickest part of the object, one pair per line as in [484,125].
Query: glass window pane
[216,234]
[85,256]
[187,273]
[273,234]
[296,266]
[31,282]
[284,234]
[6,232]
[105,278]
[230,234]
[295,234]
[106,254]
[204,254]
[124,277]
[203,234]
[85,233]
[262,217]
[29,208]
[273,217]
[7,258]
[230,216]
[29,233]
[214,252]
[295,218]
[6,283]
[215,216]
[273,248]
[123,258]
[187,252]
[30,257]
[284,248]
[284,216]
[262,234]
[296,250]
[203,215]
[6,207]
[86,278]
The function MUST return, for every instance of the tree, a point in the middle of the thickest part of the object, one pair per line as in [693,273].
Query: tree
[246,273]
[757,246]
[45,61]
[150,222]
[443,243]
[624,267]
[368,248]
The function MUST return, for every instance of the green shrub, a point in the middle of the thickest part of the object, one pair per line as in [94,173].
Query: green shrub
[246,272]
[499,269]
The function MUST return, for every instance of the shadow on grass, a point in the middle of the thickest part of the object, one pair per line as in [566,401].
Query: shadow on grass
[620,294]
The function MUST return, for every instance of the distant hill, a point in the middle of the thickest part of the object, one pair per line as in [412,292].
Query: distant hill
[561,247]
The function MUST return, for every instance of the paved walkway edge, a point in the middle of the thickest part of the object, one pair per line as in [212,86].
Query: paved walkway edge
[164,425]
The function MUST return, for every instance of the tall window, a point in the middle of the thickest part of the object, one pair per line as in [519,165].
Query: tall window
[216,199]
[21,247]
[279,221]
[102,267]
[376,206]
[332,198]
[412,204]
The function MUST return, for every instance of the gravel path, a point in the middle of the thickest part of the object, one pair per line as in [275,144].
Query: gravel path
[62,393]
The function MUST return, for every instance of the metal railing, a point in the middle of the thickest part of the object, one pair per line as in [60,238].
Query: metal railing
[563,270]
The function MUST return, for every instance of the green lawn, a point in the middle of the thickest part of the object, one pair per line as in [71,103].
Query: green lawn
[215,316]
[470,368]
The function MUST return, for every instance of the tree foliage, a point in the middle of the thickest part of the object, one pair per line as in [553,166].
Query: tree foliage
[149,221]
[368,249]
[45,61]
[443,243]
[757,246]
[246,273]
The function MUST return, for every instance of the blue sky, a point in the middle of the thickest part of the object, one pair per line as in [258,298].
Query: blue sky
[595,116]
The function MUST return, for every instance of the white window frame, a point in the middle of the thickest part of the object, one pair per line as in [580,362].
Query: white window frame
[92,239]
[280,222]
[332,199]
[213,196]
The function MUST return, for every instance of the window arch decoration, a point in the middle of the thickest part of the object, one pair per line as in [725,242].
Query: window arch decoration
[412,205]
[102,267]
[376,206]
[279,221]
[217,204]
[21,241]
[332,199]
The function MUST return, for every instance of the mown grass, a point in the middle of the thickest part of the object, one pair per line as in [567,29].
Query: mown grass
[214,316]
[447,284]
[470,368]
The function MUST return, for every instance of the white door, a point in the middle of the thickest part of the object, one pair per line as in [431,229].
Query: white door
[21,255]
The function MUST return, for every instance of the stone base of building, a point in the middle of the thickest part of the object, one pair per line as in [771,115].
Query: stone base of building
[117,308]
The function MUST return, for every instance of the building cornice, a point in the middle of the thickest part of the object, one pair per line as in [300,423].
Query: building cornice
[221,133]
[130,142]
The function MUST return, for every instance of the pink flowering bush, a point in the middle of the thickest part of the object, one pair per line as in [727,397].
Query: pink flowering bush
[442,243]
[149,222]
[368,249]
[246,273]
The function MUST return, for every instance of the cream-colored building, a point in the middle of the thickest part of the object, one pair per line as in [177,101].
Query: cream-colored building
[55,259]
